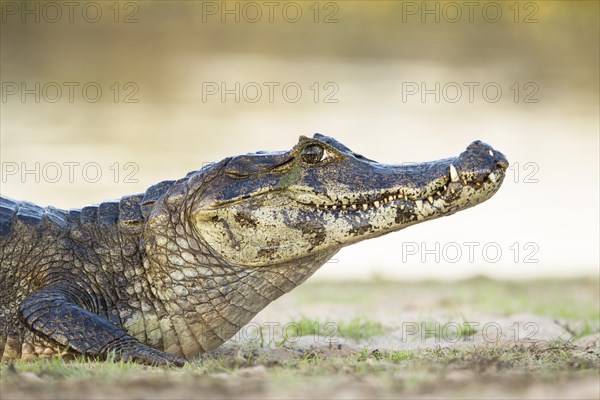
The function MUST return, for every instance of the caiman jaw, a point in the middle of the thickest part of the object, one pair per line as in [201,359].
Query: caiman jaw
[404,196]
[466,182]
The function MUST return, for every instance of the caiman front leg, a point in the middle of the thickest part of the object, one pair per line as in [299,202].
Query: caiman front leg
[54,313]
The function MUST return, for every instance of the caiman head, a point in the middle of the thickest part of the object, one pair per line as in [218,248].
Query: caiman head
[227,240]
[264,209]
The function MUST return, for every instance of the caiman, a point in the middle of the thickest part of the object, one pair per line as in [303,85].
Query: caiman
[163,276]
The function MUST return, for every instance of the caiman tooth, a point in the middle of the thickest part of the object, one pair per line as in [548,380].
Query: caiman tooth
[354,206]
[419,204]
[333,207]
[376,204]
[491,153]
[492,177]
[430,199]
[402,206]
[453,174]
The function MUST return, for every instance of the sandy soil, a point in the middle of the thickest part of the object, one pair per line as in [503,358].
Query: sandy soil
[519,355]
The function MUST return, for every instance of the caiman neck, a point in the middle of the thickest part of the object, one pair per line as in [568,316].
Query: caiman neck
[207,299]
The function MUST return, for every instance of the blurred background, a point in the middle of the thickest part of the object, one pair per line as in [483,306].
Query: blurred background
[102,99]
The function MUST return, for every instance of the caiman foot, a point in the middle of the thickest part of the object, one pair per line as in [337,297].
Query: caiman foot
[54,313]
[129,349]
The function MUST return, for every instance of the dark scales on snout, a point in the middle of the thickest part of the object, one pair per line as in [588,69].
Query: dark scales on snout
[163,276]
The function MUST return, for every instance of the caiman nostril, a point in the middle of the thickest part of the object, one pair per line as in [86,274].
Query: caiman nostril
[478,144]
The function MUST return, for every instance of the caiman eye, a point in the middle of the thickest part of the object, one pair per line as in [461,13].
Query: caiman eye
[312,154]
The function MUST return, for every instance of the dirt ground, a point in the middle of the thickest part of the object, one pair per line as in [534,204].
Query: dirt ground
[470,339]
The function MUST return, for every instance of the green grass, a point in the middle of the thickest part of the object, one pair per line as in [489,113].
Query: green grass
[579,329]
[356,328]
[361,328]
[56,369]
[447,330]
[543,362]
[587,328]
[461,370]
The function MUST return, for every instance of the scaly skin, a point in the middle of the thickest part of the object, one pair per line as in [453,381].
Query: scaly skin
[166,275]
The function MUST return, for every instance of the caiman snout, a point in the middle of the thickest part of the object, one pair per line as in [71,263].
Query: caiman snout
[478,162]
